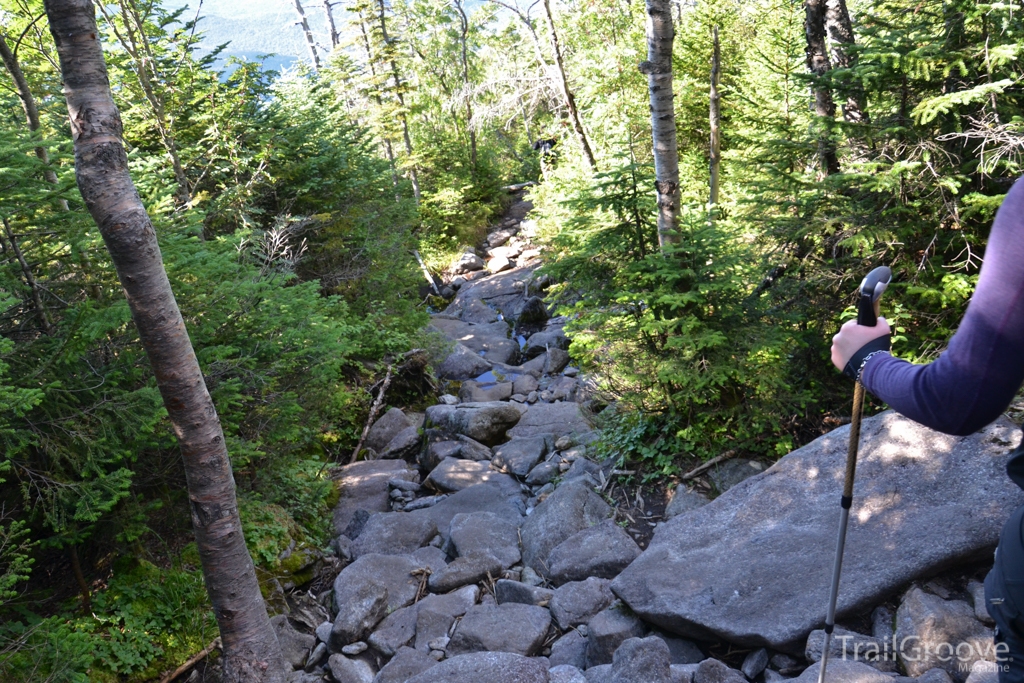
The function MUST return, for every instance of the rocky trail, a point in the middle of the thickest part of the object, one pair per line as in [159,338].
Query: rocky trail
[478,542]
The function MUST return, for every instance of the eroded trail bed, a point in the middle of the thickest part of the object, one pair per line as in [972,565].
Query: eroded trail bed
[479,542]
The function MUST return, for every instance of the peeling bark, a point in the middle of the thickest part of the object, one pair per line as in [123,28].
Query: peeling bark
[658,67]
[251,651]
[840,35]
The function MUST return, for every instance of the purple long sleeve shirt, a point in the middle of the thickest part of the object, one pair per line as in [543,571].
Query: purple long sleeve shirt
[975,379]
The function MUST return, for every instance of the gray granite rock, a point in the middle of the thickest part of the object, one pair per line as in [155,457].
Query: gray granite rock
[347,670]
[882,624]
[684,673]
[363,605]
[841,671]
[477,392]
[510,627]
[406,444]
[519,456]
[478,533]
[456,474]
[524,384]
[485,497]
[847,644]
[515,591]
[386,428]
[473,450]
[607,630]
[532,312]
[317,657]
[406,663]
[731,472]
[556,361]
[393,533]
[454,604]
[467,569]
[681,651]
[476,311]
[488,340]
[396,631]
[570,649]
[684,500]
[485,422]
[754,663]
[430,626]
[735,569]
[983,672]
[602,673]
[486,667]
[364,486]
[571,508]
[393,572]
[575,602]
[467,263]
[566,673]
[295,645]
[551,418]
[433,558]
[543,473]
[642,660]
[937,633]
[714,671]
[977,592]
[602,550]
[551,337]
[462,363]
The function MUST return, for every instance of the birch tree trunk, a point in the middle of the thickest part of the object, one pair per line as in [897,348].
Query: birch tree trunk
[310,43]
[715,117]
[251,651]
[570,99]
[840,35]
[819,65]
[658,67]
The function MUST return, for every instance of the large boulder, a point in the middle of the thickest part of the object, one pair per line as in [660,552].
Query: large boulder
[602,550]
[489,667]
[393,572]
[385,429]
[364,486]
[571,508]
[393,533]
[454,474]
[740,568]
[486,497]
[510,627]
[560,419]
[489,340]
[462,363]
[519,456]
[484,422]
[480,392]
[485,533]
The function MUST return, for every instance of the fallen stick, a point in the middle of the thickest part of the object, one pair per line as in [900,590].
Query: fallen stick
[519,186]
[426,273]
[708,465]
[192,661]
[373,413]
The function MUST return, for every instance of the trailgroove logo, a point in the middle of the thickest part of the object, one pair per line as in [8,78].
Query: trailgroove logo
[914,649]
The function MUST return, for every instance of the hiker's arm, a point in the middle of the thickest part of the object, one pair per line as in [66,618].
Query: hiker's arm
[975,379]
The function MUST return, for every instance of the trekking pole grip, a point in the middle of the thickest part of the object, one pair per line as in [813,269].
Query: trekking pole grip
[871,289]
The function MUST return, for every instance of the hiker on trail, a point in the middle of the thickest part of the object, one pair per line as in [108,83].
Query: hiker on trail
[966,388]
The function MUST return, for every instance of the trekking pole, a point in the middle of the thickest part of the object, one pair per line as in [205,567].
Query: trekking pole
[871,289]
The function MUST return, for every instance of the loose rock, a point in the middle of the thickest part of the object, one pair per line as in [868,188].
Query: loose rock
[609,629]
[574,603]
[603,551]
[571,508]
[940,630]
[519,456]
[511,627]
[393,533]
[465,570]
[515,591]
[642,660]
[485,667]
[485,533]
[406,663]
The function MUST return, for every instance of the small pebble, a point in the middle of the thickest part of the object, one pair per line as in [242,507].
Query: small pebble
[437,655]
[438,643]
[354,649]
[530,577]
